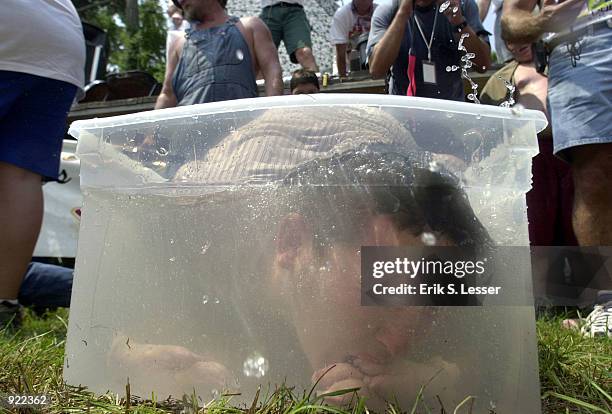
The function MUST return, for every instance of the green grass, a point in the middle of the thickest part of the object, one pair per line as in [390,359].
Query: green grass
[576,376]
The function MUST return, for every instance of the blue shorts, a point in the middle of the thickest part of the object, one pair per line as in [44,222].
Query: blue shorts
[580,98]
[33,114]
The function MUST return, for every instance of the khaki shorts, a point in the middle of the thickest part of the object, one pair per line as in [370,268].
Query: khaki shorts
[288,22]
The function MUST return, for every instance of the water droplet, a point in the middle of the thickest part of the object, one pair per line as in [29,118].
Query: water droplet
[204,299]
[240,54]
[255,366]
[205,248]
[428,239]
[172,259]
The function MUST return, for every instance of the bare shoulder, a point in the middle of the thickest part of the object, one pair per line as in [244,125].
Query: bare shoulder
[253,24]
[176,46]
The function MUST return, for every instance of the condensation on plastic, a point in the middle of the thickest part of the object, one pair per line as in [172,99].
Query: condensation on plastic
[219,248]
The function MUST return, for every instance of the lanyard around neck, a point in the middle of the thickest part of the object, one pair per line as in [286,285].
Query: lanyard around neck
[433,30]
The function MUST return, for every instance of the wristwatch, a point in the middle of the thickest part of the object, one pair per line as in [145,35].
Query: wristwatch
[458,28]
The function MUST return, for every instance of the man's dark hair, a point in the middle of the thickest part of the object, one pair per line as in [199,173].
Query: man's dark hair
[302,77]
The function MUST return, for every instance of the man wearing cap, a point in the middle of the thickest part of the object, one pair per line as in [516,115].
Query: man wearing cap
[350,21]
[42,56]
[288,22]
[218,58]
[418,40]
[578,36]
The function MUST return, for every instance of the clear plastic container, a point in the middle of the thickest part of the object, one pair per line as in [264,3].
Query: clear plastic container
[219,249]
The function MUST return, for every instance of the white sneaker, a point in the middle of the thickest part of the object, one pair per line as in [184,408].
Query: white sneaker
[599,322]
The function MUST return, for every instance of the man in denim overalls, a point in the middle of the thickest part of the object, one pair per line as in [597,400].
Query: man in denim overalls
[218,58]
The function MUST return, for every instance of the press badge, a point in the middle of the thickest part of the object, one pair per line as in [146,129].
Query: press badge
[429,72]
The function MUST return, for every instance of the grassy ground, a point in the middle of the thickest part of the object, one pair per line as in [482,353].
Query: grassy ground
[576,376]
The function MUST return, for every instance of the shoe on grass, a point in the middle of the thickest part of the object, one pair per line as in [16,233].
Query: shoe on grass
[10,314]
[599,322]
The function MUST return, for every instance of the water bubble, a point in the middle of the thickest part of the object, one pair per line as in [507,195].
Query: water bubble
[255,366]
[434,166]
[444,6]
[204,299]
[172,259]
[239,54]
[205,248]
[428,239]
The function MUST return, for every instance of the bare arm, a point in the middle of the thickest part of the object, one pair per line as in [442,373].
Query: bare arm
[519,25]
[483,9]
[266,57]
[341,59]
[385,51]
[167,98]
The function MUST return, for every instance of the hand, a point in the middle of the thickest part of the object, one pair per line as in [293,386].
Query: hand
[453,12]
[405,7]
[556,17]
[171,369]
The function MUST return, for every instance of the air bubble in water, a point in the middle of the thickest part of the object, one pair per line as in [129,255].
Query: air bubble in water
[205,248]
[429,239]
[255,366]
[204,299]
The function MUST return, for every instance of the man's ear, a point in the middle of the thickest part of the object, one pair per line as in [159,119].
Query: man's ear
[293,235]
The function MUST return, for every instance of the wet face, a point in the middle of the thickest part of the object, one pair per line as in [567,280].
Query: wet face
[324,292]
[305,88]
[522,52]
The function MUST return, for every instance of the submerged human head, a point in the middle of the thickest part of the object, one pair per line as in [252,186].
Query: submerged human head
[322,187]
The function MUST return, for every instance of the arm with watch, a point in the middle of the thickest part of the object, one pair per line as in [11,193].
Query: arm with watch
[473,43]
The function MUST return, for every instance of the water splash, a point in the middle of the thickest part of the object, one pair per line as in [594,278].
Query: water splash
[466,63]
[444,6]
[511,88]
[428,239]
[255,366]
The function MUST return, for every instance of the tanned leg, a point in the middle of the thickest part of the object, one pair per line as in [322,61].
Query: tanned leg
[305,58]
[21,211]
[592,172]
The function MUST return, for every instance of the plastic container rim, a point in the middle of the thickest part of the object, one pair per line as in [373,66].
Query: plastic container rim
[323,100]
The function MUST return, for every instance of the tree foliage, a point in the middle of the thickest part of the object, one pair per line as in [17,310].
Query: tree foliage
[140,49]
